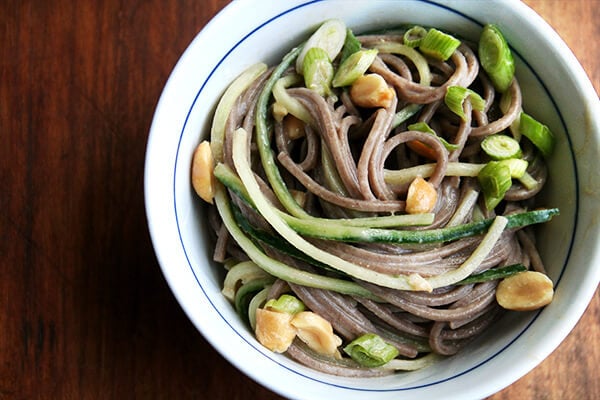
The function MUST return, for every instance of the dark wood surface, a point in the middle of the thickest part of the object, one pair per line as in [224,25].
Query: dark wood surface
[84,310]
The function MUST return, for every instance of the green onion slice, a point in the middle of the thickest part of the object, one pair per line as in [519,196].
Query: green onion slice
[318,71]
[351,45]
[495,179]
[424,127]
[538,133]
[405,113]
[501,147]
[354,67]
[330,36]
[517,167]
[285,303]
[370,350]
[496,58]
[414,36]
[456,96]
[438,44]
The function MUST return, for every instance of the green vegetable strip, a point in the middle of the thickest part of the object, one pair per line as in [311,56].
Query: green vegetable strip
[330,172]
[277,268]
[242,272]
[417,58]
[246,292]
[493,274]
[264,142]
[342,230]
[407,175]
[292,105]
[349,233]
[404,114]
[256,302]
[475,259]
[528,181]
[237,87]
[274,241]
[464,208]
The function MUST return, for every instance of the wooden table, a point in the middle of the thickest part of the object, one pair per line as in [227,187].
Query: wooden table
[84,310]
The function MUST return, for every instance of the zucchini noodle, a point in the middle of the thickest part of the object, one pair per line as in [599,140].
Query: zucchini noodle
[378,228]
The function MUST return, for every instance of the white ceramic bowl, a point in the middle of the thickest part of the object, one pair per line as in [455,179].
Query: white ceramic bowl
[556,90]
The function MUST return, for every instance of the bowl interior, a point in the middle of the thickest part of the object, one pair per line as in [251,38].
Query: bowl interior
[178,220]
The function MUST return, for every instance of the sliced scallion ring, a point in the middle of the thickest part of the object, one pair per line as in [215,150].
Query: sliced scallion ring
[353,67]
[456,96]
[517,167]
[330,36]
[438,44]
[370,350]
[351,45]
[318,71]
[424,127]
[414,36]
[285,303]
[495,179]
[501,147]
[496,58]
[538,133]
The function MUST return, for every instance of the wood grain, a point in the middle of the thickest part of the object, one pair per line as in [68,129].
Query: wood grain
[84,310]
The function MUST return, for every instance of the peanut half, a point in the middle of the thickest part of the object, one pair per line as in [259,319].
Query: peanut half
[525,291]
[317,333]
[274,330]
[202,172]
[371,91]
[421,197]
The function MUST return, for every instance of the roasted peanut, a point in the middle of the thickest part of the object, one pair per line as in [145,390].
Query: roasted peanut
[525,291]
[293,127]
[317,333]
[421,197]
[203,180]
[274,330]
[371,91]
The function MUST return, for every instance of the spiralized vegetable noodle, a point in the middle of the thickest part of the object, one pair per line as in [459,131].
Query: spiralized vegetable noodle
[372,193]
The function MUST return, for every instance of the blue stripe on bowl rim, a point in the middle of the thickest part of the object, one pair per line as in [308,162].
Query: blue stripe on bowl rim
[261,353]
